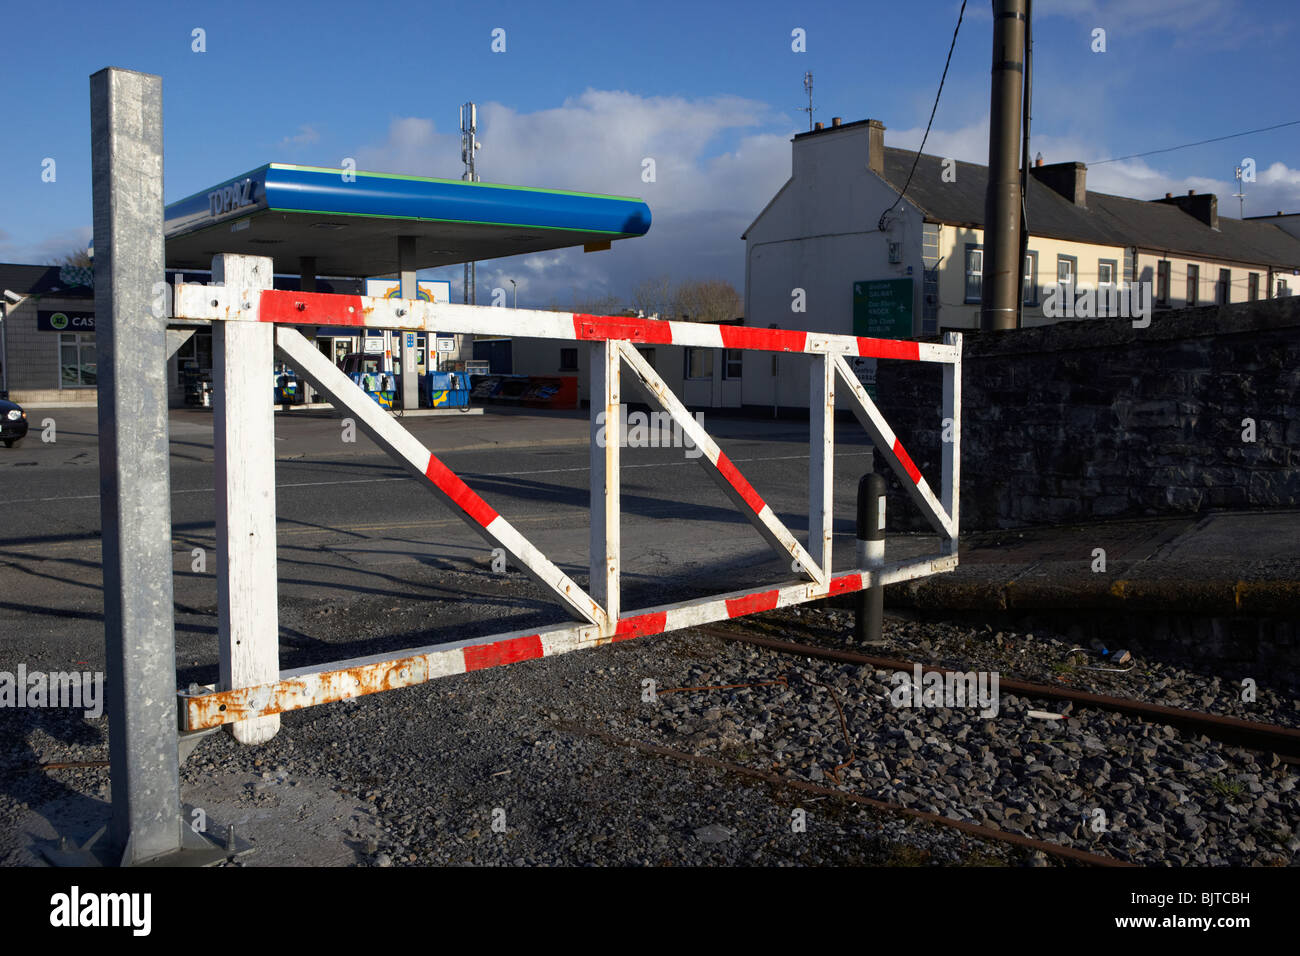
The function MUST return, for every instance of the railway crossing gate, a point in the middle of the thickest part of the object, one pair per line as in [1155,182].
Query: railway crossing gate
[252,325]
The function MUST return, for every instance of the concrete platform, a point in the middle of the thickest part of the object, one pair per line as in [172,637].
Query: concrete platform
[1223,563]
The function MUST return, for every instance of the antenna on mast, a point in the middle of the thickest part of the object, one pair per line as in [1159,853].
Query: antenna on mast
[808,87]
[469,145]
[1240,194]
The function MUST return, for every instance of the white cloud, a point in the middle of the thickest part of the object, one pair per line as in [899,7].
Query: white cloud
[703,197]
[48,249]
[306,136]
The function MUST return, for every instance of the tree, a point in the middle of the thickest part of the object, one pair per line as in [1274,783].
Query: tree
[77,257]
[707,300]
[654,296]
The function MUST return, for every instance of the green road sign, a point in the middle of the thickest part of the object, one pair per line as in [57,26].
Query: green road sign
[882,308]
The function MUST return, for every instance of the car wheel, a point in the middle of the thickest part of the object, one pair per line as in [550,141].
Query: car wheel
[10,442]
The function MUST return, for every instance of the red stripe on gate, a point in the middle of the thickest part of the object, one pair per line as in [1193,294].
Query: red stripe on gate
[912,471]
[738,607]
[601,327]
[503,652]
[767,340]
[737,481]
[310,308]
[462,494]
[845,584]
[888,348]
[641,625]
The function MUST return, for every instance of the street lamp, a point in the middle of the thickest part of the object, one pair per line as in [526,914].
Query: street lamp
[515,287]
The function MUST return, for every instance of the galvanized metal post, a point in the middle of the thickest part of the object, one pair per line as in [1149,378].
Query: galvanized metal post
[410,289]
[606,440]
[134,482]
[244,481]
[870,601]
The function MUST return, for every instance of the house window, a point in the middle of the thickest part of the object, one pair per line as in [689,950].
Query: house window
[1066,269]
[568,360]
[1105,272]
[732,364]
[1252,286]
[974,272]
[1221,287]
[699,363]
[1029,293]
[1193,283]
[1162,282]
[77,366]
[1283,290]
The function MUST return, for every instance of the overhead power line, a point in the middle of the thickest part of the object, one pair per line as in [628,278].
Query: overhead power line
[1216,139]
[962,12]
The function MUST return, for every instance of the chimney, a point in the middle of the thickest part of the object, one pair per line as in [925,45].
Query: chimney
[817,126]
[1068,179]
[1169,195]
[1204,207]
[835,121]
[876,146]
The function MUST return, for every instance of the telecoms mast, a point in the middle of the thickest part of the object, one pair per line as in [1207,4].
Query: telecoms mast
[468,147]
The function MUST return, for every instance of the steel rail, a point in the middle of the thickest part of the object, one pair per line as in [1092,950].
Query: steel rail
[974,829]
[1268,738]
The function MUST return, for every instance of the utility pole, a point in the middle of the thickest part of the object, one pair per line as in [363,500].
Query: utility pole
[1000,286]
[1024,158]
[469,145]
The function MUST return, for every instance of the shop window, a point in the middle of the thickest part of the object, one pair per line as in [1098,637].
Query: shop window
[194,355]
[77,364]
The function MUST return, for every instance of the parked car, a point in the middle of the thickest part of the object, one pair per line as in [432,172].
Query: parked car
[13,423]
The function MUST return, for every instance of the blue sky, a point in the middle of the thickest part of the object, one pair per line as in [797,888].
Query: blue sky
[585,90]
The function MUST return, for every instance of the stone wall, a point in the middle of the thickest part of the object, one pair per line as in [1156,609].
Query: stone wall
[1098,419]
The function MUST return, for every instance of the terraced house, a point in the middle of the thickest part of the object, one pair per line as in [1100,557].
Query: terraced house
[868,262]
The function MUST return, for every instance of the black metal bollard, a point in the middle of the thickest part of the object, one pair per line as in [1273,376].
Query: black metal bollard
[870,602]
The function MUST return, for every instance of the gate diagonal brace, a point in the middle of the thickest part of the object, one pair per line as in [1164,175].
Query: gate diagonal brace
[895,454]
[724,472]
[294,348]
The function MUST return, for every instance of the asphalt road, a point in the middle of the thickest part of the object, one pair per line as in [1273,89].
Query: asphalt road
[368,559]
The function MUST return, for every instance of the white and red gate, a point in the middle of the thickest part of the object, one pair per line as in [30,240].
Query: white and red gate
[251,322]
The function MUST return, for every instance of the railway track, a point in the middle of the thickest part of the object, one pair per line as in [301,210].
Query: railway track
[1250,735]
[1260,738]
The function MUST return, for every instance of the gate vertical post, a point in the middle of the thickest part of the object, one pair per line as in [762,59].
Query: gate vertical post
[244,481]
[606,439]
[951,472]
[821,460]
[134,481]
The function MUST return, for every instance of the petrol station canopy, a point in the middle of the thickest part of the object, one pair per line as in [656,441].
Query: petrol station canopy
[336,222]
